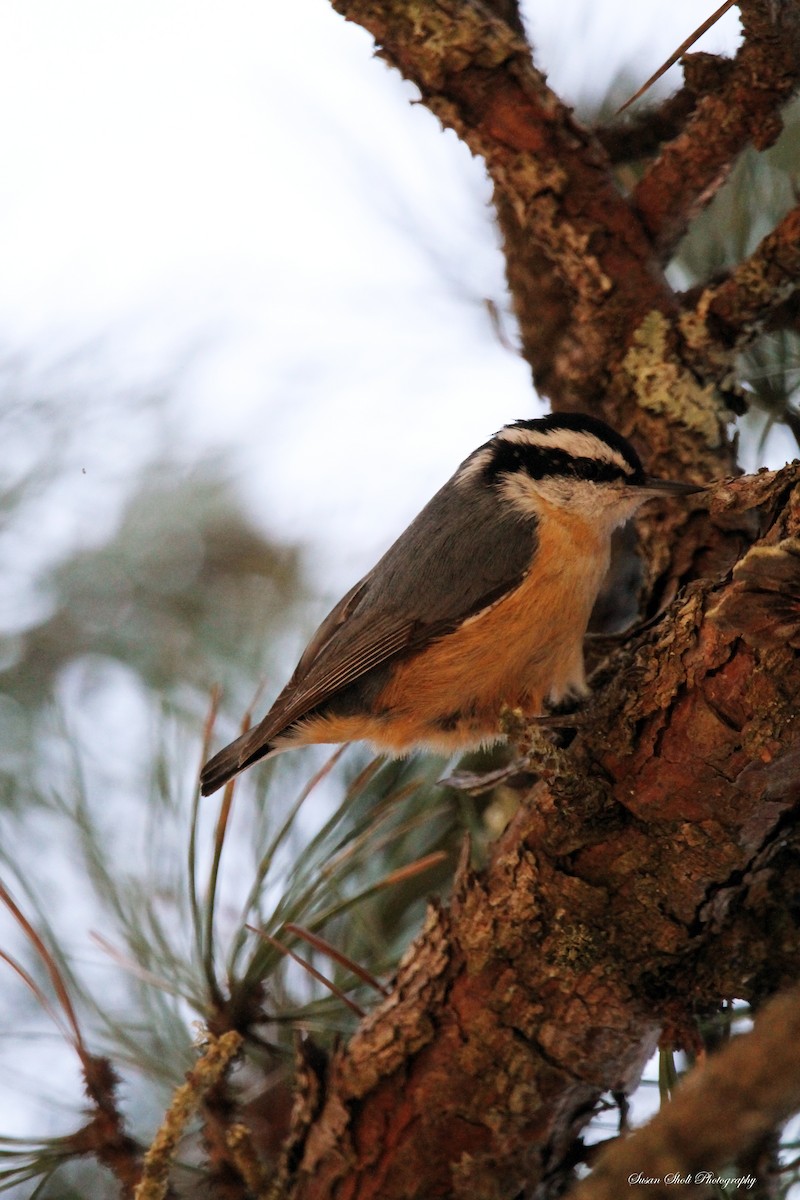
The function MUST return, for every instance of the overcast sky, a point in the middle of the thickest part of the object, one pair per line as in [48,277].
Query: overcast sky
[241,192]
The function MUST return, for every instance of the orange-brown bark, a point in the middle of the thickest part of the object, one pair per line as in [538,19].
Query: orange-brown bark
[658,834]
[647,874]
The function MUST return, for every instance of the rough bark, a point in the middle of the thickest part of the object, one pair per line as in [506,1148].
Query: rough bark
[663,833]
[647,874]
[583,271]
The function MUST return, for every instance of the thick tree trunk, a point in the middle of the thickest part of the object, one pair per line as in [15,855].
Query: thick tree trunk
[643,880]
[647,874]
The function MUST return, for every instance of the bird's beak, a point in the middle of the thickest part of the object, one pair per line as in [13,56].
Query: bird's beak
[671,487]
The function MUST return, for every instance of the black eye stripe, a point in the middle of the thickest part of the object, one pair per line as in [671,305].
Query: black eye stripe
[539,462]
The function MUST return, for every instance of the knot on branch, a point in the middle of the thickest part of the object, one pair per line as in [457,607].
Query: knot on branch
[763,604]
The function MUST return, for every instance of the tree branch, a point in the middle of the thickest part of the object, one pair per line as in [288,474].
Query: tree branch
[743,111]
[729,1103]
[508,11]
[740,307]
[543,983]
[643,133]
[664,832]
[556,200]
[580,265]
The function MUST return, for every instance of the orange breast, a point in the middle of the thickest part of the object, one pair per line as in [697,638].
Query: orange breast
[524,648]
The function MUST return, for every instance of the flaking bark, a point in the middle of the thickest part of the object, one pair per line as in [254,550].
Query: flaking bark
[548,979]
[647,874]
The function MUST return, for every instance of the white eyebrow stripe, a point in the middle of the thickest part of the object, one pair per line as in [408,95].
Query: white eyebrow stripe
[476,464]
[571,441]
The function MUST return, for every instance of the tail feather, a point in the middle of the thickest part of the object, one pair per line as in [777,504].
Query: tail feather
[231,760]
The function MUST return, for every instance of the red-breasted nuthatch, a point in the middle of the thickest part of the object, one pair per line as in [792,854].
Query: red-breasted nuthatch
[482,603]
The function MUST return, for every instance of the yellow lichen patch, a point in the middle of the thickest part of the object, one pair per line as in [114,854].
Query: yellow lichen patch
[665,386]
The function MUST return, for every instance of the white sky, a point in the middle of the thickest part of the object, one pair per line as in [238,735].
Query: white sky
[242,189]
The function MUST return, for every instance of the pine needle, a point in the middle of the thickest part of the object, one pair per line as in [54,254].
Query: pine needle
[194,900]
[59,987]
[276,842]
[134,968]
[319,943]
[678,54]
[411,869]
[306,965]
[41,999]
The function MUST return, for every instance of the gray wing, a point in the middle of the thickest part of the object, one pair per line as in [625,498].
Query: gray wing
[461,554]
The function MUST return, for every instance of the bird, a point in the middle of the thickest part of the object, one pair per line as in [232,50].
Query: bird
[481,605]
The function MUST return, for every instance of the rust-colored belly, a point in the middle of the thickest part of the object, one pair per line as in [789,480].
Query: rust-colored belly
[525,648]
